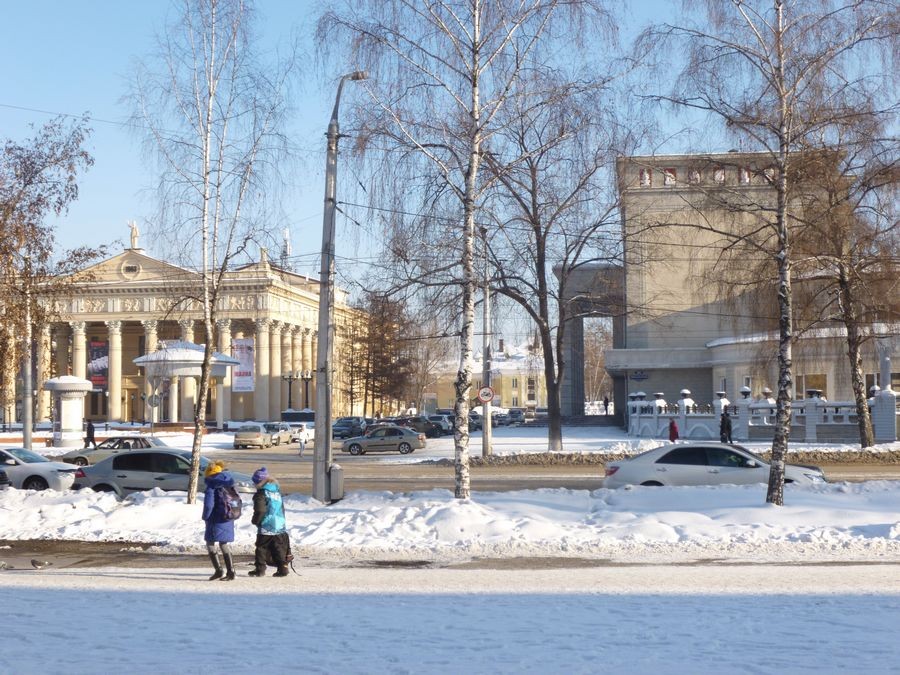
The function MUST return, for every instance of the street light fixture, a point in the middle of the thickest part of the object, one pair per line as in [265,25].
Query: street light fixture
[306,376]
[290,378]
[322,456]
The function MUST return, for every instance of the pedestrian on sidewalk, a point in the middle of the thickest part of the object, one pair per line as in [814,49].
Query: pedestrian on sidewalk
[273,545]
[219,529]
[725,428]
[673,430]
[89,435]
[606,405]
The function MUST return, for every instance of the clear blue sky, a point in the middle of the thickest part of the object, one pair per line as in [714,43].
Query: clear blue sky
[62,56]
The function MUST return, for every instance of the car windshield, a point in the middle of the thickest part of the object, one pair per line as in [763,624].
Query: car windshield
[27,456]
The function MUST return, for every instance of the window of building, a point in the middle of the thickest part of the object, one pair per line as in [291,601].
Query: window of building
[515,383]
[515,401]
[723,384]
[669,177]
[646,177]
[875,378]
[694,177]
[719,175]
[744,174]
[769,174]
[748,381]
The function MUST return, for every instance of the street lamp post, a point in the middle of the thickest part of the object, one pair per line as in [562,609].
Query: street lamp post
[322,455]
[290,378]
[306,376]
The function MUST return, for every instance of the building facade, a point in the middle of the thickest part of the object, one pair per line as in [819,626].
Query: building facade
[671,328]
[124,307]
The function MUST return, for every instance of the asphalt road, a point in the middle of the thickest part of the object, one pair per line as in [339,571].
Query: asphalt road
[388,472]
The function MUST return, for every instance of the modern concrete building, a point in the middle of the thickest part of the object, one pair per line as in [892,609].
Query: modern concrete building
[123,307]
[671,328]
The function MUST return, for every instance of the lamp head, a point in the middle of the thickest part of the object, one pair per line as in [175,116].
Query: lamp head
[359,75]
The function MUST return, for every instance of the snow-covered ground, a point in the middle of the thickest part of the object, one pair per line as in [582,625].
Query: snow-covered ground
[689,580]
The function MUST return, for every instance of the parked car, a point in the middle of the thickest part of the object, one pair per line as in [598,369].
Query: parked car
[346,428]
[280,432]
[701,463]
[475,422]
[499,419]
[445,422]
[28,470]
[302,432]
[109,447]
[516,416]
[421,424]
[361,422]
[385,439]
[140,470]
[4,480]
[252,435]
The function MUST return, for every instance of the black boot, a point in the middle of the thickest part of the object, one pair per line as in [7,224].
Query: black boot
[214,558]
[256,572]
[282,571]
[229,566]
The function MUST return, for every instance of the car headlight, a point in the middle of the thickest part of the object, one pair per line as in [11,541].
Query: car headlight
[815,477]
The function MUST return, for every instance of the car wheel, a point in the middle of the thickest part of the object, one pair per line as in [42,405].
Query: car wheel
[80,461]
[651,483]
[405,448]
[356,449]
[103,487]
[34,483]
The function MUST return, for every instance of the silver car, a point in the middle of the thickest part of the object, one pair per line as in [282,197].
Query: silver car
[109,447]
[141,470]
[253,435]
[28,470]
[385,439]
[701,463]
[281,432]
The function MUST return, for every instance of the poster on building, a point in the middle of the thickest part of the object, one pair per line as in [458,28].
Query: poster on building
[242,375]
[98,364]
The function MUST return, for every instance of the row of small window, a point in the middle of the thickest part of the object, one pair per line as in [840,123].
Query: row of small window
[670,176]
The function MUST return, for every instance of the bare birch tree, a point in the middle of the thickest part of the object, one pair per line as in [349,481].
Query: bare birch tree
[783,76]
[211,112]
[441,71]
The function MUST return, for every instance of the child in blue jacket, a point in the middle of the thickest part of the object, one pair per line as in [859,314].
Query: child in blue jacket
[273,546]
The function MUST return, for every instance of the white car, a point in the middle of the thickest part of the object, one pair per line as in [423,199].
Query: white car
[28,470]
[701,463]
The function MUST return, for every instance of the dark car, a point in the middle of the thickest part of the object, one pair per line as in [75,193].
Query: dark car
[421,424]
[346,428]
[516,415]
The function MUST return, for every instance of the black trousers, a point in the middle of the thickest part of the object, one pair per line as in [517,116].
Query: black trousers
[272,549]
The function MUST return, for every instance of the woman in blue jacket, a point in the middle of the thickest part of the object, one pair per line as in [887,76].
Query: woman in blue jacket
[219,530]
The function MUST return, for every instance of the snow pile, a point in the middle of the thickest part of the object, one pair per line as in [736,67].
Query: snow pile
[844,521]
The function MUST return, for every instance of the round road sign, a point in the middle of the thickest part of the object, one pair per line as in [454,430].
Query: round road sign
[485,394]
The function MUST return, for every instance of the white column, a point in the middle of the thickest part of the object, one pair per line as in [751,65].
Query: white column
[287,393]
[188,384]
[261,385]
[43,374]
[114,380]
[297,365]
[223,384]
[275,406]
[174,400]
[79,350]
[150,344]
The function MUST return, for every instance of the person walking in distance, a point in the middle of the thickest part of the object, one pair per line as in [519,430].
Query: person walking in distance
[606,405]
[89,435]
[673,430]
[725,428]
[219,528]
[273,545]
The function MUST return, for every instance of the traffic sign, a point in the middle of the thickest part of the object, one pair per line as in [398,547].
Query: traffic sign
[153,400]
[485,394]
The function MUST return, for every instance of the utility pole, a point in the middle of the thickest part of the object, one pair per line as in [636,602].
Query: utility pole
[486,447]
[324,358]
[27,394]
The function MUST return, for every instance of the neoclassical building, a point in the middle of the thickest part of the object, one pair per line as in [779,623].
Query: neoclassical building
[123,307]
